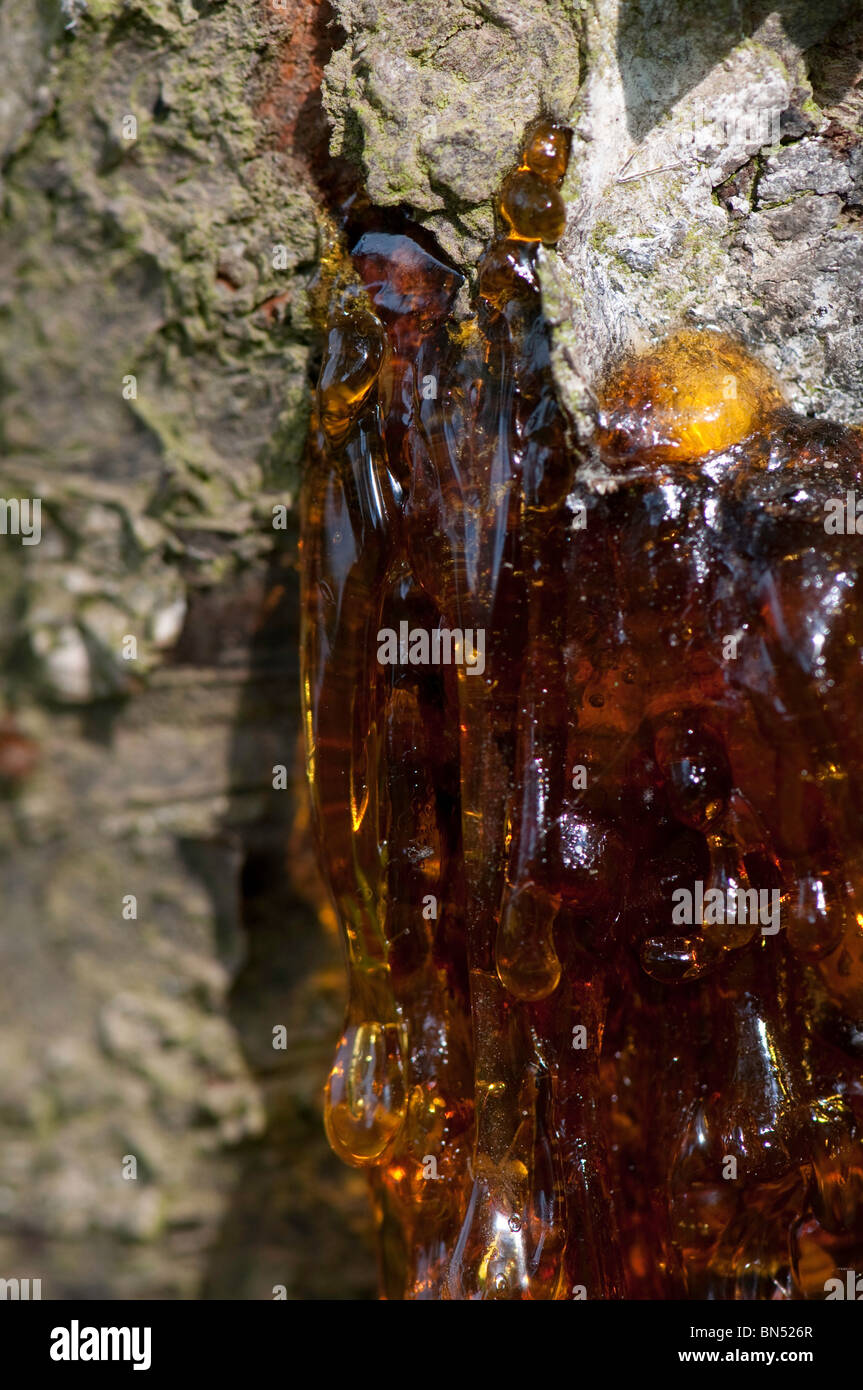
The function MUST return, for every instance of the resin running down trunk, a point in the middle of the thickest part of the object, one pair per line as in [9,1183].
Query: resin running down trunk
[601,898]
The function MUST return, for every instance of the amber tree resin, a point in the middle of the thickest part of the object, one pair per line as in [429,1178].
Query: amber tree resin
[602,898]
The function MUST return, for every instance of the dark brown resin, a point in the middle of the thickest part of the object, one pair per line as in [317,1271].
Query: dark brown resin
[560,1087]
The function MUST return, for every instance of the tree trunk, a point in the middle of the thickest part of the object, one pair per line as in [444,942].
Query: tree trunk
[161,221]
[165,186]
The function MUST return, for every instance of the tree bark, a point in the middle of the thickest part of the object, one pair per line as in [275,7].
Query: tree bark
[161,224]
[162,214]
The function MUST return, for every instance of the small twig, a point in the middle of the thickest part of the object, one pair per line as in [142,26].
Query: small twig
[660,169]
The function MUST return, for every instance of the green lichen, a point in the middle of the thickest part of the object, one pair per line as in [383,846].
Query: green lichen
[433,103]
[153,258]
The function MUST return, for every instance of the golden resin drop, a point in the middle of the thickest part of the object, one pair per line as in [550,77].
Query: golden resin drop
[353,357]
[527,963]
[692,395]
[365,1103]
[546,150]
[533,207]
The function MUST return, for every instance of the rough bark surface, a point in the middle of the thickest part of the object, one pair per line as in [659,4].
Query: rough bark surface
[153,258]
[716,174]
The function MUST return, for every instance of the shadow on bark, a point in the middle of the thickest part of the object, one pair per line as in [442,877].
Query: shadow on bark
[296,1216]
[666,47]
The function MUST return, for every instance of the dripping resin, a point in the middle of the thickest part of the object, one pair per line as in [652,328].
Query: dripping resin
[584,1057]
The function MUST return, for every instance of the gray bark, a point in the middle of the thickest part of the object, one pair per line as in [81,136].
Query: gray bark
[152,1038]
[153,258]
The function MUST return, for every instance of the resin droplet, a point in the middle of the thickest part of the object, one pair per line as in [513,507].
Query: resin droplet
[527,962]
[403,280]
[533,208]
[490,1262]
[365,1097]
[694,762]
[838,1171]
[728,877]
[352,360]
[674,959]
[546,150]
[816,917]
[695,394]
[506,272]
[426,1121]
